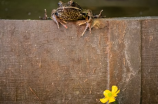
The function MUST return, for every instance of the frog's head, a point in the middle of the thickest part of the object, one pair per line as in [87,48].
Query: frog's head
[71,3]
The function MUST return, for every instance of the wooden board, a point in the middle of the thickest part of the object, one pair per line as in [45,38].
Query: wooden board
[125,59]
[40,64]
[150,61]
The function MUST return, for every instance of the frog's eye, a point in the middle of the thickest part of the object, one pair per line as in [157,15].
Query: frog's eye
[72,3]
[60,3]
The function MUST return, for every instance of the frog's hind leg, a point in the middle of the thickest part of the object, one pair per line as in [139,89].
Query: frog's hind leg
[45,15]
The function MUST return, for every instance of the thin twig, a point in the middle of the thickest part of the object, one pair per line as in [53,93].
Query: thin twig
[34,94]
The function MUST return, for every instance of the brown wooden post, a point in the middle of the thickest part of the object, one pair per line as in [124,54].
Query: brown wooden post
[150,61]
[42,64]
[125,59]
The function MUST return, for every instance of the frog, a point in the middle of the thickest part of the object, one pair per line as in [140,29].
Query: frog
[72,11]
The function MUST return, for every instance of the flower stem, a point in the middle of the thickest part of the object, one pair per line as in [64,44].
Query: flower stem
[115,102]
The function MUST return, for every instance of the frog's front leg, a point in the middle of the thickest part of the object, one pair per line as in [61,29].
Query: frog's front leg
[57,20]
[99,15]
[89,21]
[88,25]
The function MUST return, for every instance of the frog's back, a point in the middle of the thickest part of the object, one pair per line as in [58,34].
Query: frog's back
[69,14]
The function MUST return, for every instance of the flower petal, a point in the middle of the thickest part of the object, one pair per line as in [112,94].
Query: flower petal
[117,91]
[115,94]
[114,89]
[106,92]
[112,99]
[104,100]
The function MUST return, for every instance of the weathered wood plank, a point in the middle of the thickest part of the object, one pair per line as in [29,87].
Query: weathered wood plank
[42,64]
[150,61]
[125,60]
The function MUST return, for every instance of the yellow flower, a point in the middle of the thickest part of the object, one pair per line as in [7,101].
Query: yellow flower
[110,95]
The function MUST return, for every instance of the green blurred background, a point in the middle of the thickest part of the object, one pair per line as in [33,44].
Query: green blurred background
[32,9]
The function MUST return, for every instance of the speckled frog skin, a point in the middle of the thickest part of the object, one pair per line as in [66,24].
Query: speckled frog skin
[70,11]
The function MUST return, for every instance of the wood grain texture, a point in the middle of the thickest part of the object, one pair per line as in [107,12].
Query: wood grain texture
[40,64]
[150,61]
[125,60]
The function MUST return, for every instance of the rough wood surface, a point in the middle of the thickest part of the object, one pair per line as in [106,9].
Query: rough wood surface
[150,61]
[125,60]
[40,64]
